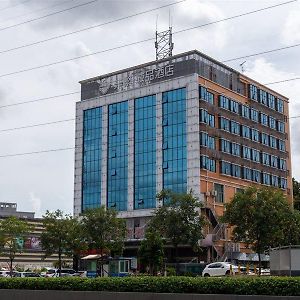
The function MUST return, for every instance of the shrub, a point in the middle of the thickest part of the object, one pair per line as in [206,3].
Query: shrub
[284,286]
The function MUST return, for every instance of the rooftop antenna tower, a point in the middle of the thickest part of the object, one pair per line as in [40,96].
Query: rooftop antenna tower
[242,66]
[163,41]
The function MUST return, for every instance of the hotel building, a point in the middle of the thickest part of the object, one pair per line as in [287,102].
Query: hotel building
[183,123]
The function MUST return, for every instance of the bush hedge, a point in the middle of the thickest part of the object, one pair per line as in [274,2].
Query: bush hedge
[278,286]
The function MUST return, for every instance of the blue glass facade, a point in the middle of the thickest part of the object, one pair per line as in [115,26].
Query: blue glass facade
[145,152]
[117,160]
[91,175]
[174,140]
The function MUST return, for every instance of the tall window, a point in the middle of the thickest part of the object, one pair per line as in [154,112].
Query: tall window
[236,170]
[265,139]
[207,118]
[206,95]
[273,142]
[282,164]
[255,135]
[279,105]
[281,145]
[246,132]
[272,122]
[254,115]
[245,110]
[235,149]
[246,152]
[280,126]
[224,124]
[92,141]
[235,127]
[225,168]
[271,101]
[247,173]
[224,102]
[265,158]
[274,161]
[274,180]
[255,155]
[117,171]
[207,163]
[207,141]
[234,106]
[283,183]
[219,188]
[266,178]
[144,152]
[263,97]
[253,92]
[264,119]
[256,176]
[225,146]
[174,141]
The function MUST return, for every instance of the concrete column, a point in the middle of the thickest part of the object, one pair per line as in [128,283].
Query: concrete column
[193,139]
[78,161]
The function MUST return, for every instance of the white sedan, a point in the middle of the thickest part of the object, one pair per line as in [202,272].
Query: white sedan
[219,269]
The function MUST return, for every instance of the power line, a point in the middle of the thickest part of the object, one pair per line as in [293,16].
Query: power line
[39,99]
[90,27]
[131,44]
[284,80]
[36,152]
[36,125]
[48,15]
[35,11]
[143,41]
[237,16]
[260,53]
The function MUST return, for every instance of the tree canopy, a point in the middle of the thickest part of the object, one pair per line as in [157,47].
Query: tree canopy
[260,217]
[63,235]
[104,231]
[296,194]
[12,233]
[178,219]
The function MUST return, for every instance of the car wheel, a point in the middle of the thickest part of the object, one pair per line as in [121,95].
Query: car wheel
[206,275]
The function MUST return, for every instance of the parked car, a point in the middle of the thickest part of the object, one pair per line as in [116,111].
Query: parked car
[219,269]
[26,274]
[64,273]
[4,273]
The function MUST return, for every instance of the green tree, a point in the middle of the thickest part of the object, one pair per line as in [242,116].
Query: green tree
[178,219]
[63,235]
[259,217]
[151,251]
[296,194]
[12,234]
[104,231]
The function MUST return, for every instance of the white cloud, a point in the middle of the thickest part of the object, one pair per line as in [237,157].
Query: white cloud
[35,204]
[291,30]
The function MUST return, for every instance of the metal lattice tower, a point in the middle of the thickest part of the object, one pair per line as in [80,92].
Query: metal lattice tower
[164,44]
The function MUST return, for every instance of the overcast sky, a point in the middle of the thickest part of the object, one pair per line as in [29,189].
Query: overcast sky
[45,181]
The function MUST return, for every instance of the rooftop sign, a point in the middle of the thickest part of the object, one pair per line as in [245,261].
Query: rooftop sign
[136,78]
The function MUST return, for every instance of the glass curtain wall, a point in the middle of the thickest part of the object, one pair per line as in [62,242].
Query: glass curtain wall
[174,141]
[91,175]
[117,161]
[145,152]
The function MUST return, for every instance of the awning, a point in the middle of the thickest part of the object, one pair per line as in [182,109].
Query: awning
[92,256]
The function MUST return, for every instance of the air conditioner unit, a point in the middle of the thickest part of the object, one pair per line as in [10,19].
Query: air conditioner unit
[214,193]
